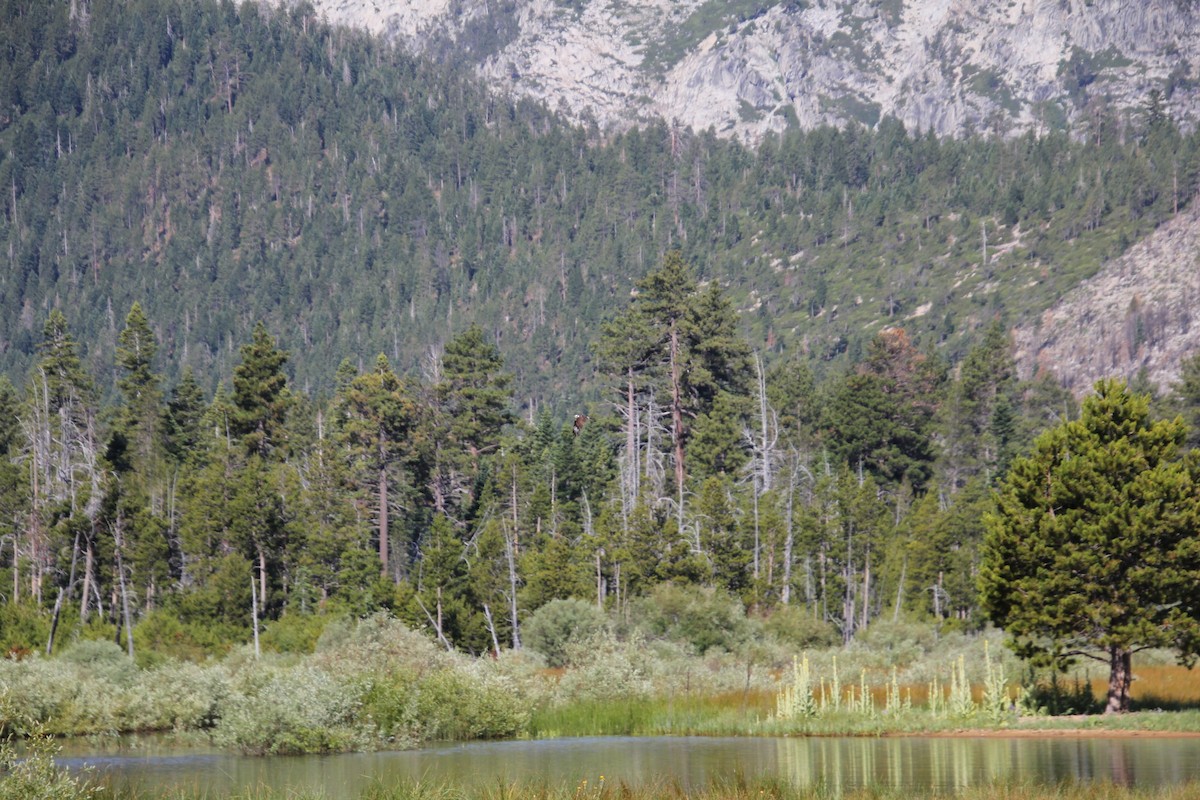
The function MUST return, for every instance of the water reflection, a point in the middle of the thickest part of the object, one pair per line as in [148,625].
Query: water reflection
[838,764]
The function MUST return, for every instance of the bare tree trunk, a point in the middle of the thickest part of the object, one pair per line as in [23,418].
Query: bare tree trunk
[54,622]
[866,590]
[677,421]
[383,514]
[634,473]
[435,622]
[757,535]
[510,546]
[118,537]
[789,540]
[89,561]
[262,577]
[487,615]
[254,614]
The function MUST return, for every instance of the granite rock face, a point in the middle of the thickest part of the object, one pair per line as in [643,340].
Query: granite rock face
[748,67]
[1140,312]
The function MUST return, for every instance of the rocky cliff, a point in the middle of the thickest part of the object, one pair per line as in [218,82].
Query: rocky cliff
[747,67]
[1138,313]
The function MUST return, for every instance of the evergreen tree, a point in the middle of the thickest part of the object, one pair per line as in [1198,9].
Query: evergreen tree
[182,419]
[978,415]
[680,343]
[260,395]
[1091,550]
[878,417]
[381,423]
[473,407]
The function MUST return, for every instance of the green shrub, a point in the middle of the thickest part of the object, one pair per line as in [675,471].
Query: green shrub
[33,775]
[606,669]
[799,629]
[560,623]
[378,644]
[102,661]
[24,629]
[457,704]
[703,618]
[179,696]
[161,636]
[294,633]
[38,690]
[301,709]
[390,704]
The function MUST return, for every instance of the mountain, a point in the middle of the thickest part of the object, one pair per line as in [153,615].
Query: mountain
[749,67]
[224,165]
[1138,313]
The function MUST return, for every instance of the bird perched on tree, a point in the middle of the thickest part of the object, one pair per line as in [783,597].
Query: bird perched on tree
[580,421]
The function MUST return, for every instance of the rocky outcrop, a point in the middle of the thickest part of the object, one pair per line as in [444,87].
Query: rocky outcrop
[1138,313]
[747,68]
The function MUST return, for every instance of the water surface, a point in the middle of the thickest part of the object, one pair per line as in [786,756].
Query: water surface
[843,764]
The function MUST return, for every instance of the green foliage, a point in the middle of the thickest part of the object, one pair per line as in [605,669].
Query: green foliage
[461,705]
[31,774]
[799,628]
[23,629]
[260,394]
[288,710]
[242,177]
[294,633]
[1091,549]
[703,618]
[161,634]
[559,624]
[104,661]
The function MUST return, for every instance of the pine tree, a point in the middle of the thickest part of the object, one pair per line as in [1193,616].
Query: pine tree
[260,394]
[1091,550]
[381,424]
[473,407]
[181,423]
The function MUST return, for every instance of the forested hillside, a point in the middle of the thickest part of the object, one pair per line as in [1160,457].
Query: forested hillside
[295,324]
[225,165]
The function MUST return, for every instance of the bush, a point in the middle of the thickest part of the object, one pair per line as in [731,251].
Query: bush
[798,628]
[161,636]
[179,696]
[24,629]
[294,633]
[458,704]
[390,704]
[607,669]
[561,623]
[102,661]
[378,644]
[38,691]
[34,776]
[282,711]
[703,618]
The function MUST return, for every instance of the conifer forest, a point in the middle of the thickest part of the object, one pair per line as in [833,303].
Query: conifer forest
[293,323]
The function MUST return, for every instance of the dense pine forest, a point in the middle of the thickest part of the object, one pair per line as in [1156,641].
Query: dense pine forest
[295,323]
[224,165]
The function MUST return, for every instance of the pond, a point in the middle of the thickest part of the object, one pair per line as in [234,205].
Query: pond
[839,764]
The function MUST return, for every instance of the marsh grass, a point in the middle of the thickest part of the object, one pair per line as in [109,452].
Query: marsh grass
[681,714]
